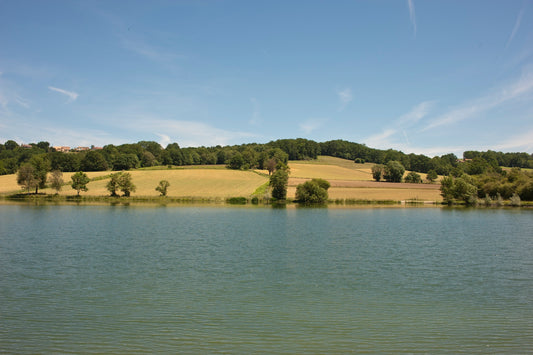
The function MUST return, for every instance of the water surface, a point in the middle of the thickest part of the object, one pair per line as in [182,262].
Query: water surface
[104,279]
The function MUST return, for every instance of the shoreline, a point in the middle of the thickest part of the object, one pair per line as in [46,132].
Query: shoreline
[60,200]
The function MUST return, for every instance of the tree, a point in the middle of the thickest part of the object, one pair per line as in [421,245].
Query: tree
[121,181]
[26,178]
[393,171]
[80,181]
[126,162]
[279,181]
[162,187]
[377,172]
[56,180]
[271,165]
[432,176]
[236,162]
[41,164]
[313,191]
[10,145]
[94,161]
[413,178]
[461,188]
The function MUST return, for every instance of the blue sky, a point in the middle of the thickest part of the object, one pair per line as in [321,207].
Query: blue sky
[430,77]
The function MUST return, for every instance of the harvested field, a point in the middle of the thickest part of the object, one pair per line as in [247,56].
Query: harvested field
[202,183]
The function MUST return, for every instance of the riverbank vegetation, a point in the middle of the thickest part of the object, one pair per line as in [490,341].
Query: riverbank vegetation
[354,171]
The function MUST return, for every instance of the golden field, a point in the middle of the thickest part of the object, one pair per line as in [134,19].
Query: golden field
[348,181]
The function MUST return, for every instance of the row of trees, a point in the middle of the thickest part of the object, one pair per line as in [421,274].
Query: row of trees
[247,156]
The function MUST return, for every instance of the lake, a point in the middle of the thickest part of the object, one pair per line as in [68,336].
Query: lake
[133,279]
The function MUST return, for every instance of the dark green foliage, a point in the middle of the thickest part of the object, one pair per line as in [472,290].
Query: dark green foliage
[120,181]
[432,176]
[377,172]
[162,188]
[80,181]
[41,164]
[11,145]
[413,178]
[460,189]
[93,161]
[126,162]
[237,200]
[236,162]
[313,191]
[393,171]
[278,182]
[26,177]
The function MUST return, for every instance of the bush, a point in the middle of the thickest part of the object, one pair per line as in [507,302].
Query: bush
[413,178]
[393,171]
[314,191]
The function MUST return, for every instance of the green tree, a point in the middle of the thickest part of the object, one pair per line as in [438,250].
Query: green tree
[41,166]
[461,188]
[80,181]
[313,191]
[163,187]
[26,177]
[121,181]
[377,172]
[126,162]
[413,178]
[432,176]
[393,171]
[56,180]
[94,161]
[278,182]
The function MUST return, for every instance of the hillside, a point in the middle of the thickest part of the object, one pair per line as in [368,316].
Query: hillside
[348,181]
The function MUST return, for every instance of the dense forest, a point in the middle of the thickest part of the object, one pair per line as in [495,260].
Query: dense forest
[247,156]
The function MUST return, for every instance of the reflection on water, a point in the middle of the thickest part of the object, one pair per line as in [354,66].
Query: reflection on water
[200,280]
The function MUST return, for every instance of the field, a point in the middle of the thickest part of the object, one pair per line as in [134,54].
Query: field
[348,181]
[354,181]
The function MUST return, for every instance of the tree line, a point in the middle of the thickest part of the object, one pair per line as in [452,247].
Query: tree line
[248,156]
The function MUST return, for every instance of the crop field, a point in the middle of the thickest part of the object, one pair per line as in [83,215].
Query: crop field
[348,181]
[354,181]
[202,183]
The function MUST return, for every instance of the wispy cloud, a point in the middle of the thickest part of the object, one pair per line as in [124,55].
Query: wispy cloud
[345,97]
[71,94]
[521,142]
[393,135]
[416,114]
[482,104]
[412,15]
[311,125]
[516,27]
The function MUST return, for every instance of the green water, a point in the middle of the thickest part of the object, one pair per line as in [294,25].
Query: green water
[102,279]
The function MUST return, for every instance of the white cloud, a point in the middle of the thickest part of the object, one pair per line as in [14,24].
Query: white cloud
[345,97]
[477,106]
[412,16]
[516,27]
[398,128]
[187,133]
[72,95]
[519,142]
[311,125]
[416,114]
[381,140]
[165,140]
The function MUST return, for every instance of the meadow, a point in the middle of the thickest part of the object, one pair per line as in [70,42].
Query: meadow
[349,181]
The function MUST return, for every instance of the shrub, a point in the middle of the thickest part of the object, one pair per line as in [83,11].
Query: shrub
[413,178]
[314,191]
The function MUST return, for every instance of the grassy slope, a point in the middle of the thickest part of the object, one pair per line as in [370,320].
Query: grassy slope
[349,181]
[354,181]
